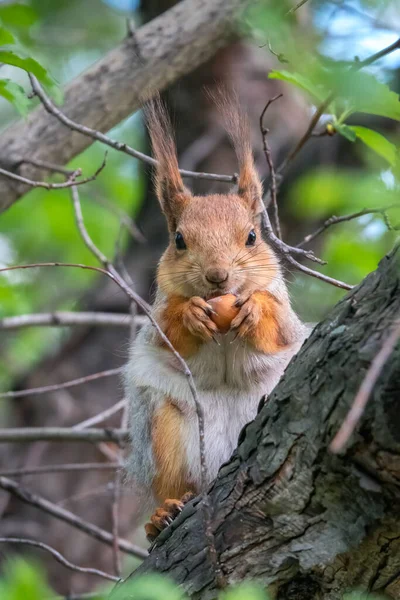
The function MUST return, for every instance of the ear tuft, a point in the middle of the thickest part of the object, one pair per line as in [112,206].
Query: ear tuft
[237,126]
[171,193]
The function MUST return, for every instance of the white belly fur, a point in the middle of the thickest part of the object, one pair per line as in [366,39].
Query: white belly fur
[230,380]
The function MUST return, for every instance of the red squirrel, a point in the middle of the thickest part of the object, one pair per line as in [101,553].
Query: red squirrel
[215,248]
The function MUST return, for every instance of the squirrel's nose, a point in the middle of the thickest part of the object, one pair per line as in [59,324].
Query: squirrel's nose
[216,275]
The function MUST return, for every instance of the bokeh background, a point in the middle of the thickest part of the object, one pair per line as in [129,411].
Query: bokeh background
[332,175]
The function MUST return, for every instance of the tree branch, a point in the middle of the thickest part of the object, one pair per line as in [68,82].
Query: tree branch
[63,434]
[102,416]
[119,146]
[45,389]
[342,219]
[109,267]
[64,318]
[59,557]
[72,179]
[63,468]
[26,496]
[171,45]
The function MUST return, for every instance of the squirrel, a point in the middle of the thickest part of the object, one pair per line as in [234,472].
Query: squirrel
[215,248]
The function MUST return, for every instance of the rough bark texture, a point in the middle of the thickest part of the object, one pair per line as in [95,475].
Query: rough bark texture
[170,46]
[308,524]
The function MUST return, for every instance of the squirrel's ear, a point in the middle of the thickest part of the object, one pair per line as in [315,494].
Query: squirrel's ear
[171,193]
[237,126]
[250,186]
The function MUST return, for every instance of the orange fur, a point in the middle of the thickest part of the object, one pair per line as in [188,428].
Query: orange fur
[260,322]
[186,324]
[171,480]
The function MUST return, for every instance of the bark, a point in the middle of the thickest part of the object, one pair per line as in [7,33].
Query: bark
[160,52]
[285,511]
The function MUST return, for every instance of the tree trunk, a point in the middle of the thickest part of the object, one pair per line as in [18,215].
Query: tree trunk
[285,511]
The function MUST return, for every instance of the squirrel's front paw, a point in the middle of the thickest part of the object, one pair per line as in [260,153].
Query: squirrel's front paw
[196,319]
[249,315]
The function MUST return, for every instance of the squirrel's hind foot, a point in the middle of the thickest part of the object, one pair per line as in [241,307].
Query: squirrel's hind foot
[164,515]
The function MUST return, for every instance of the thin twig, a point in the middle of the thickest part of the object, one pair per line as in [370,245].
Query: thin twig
[63,468]
[117,498]
[109,268]
[336,220]
[102,416]
[187,372]
[63,318]
[104,139]
[63,434]
[59,557]
[45,389]
[268,156]
[363,394]
[71,181]
[68,517]
[286,251]
[294,8]
[48,166]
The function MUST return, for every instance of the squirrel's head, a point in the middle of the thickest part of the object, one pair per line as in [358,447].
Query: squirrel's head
[215,241]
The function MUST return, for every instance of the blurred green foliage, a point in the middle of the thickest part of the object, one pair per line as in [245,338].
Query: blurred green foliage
[25,581]
[41,227]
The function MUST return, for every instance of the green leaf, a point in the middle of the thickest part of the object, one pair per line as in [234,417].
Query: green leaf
[150,587]
[376,142]
[345,131]
[10,57]
[18,15]
[6,37]
[15,94]
[366,94]
[299,81]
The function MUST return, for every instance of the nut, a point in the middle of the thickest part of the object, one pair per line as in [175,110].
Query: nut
[225,311]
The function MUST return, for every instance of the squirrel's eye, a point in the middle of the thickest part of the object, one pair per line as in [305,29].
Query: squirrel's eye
[251,239]
[179,241]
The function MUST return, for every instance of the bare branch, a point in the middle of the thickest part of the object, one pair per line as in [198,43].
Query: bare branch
[336,220]
[294,8]
[188,374]
[63,468]
[71,181]
[64,318]
[59,557]
[286,252]
[63,434]
[268,156]
[102,416]
[48,166]
[119,146]
[109,268]
[68,517]
[45,389]
[363,394]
